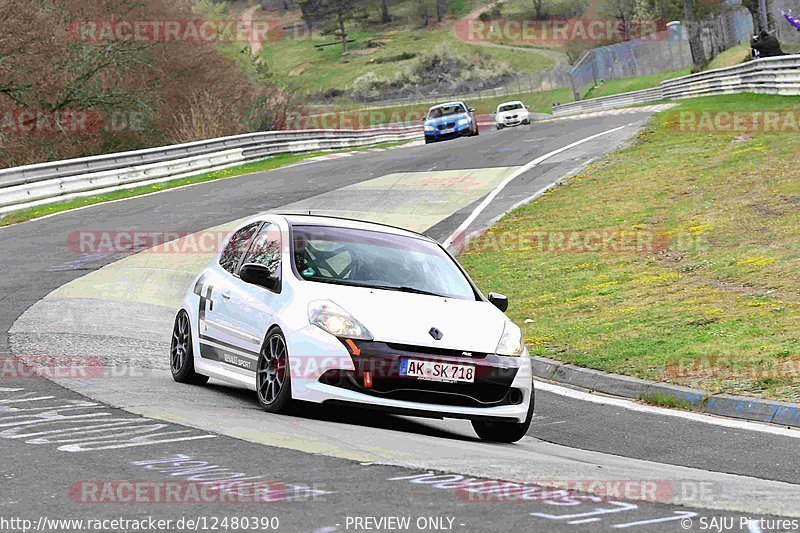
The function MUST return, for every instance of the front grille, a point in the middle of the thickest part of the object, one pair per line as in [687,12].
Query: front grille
[493,375]
[430,392]
[429,350]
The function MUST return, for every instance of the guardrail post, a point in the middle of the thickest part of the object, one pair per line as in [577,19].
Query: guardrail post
[576,93]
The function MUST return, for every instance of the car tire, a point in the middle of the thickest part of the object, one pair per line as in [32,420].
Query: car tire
[181,352]
[428,141]
[499,126]
[505,432]
[273,378]
[527,122]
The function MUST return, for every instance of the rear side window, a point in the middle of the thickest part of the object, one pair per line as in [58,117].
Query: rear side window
[238,245]
[266,249]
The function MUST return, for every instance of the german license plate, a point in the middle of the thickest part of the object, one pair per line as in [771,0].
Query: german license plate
[435,371]
[449,130]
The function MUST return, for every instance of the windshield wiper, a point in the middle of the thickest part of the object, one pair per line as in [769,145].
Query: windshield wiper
[412,290]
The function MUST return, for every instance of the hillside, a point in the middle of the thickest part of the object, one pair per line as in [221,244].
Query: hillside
[314,65]
[72,90]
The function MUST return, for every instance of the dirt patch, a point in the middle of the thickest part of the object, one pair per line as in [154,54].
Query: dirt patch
[363,52]
[299,69]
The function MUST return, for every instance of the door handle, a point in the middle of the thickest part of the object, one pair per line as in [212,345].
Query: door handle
[226,295]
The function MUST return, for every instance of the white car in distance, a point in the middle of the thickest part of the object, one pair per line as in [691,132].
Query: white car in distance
[512,114]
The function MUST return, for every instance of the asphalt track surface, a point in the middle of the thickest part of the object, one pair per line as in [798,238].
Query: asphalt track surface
[42,469]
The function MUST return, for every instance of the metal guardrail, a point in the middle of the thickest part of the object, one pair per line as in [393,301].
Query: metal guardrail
[32,185]
[772,75]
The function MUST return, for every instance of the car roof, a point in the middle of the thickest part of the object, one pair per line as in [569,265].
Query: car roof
[511,102]
[300,219]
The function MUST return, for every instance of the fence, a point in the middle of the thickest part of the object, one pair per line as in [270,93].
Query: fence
[788,35]
[32,185]
[663,51]
[773,75]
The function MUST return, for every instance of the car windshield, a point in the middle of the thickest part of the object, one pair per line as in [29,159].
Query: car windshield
[363,258]
[446,111]
[510,107]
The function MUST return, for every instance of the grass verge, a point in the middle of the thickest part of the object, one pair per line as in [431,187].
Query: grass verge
[714,306]
[638,83]
[665,400]
[272,163]
[730,57]
[539,102]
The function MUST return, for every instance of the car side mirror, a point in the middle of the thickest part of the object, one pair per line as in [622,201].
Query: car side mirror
[471,110]
[499,301]
[259,275]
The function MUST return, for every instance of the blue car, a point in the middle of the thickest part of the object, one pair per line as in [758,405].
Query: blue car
[449,121]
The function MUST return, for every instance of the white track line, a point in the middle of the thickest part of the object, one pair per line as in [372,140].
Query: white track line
[651,409]
[519,172]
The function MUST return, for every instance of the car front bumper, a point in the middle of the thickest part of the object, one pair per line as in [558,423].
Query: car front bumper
[324,370]
[511,122]
[459,131]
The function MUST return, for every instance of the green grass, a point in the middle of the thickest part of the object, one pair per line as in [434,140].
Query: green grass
[665,400]
[716,309]
[272,163]
[539,102]
[297,64]
[730,57]
[633,84]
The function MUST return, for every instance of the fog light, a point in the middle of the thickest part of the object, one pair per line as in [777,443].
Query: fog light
[515,396]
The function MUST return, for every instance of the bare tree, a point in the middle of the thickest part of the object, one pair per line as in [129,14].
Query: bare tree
[538,8]
[695,38]
[385,17]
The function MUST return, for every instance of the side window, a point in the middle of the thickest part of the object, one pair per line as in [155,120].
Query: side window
[266,249]
[237,245]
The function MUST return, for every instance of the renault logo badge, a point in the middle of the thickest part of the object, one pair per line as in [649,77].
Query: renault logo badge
[436,334]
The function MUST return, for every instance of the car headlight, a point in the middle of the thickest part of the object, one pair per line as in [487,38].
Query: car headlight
[429,127]
[511,342]
[330,317]
[464,121]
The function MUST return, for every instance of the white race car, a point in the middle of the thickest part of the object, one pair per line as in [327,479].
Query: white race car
[512,114]
[331,310]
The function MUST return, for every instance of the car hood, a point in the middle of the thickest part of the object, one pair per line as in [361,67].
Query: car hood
[442,120]
[405,318]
